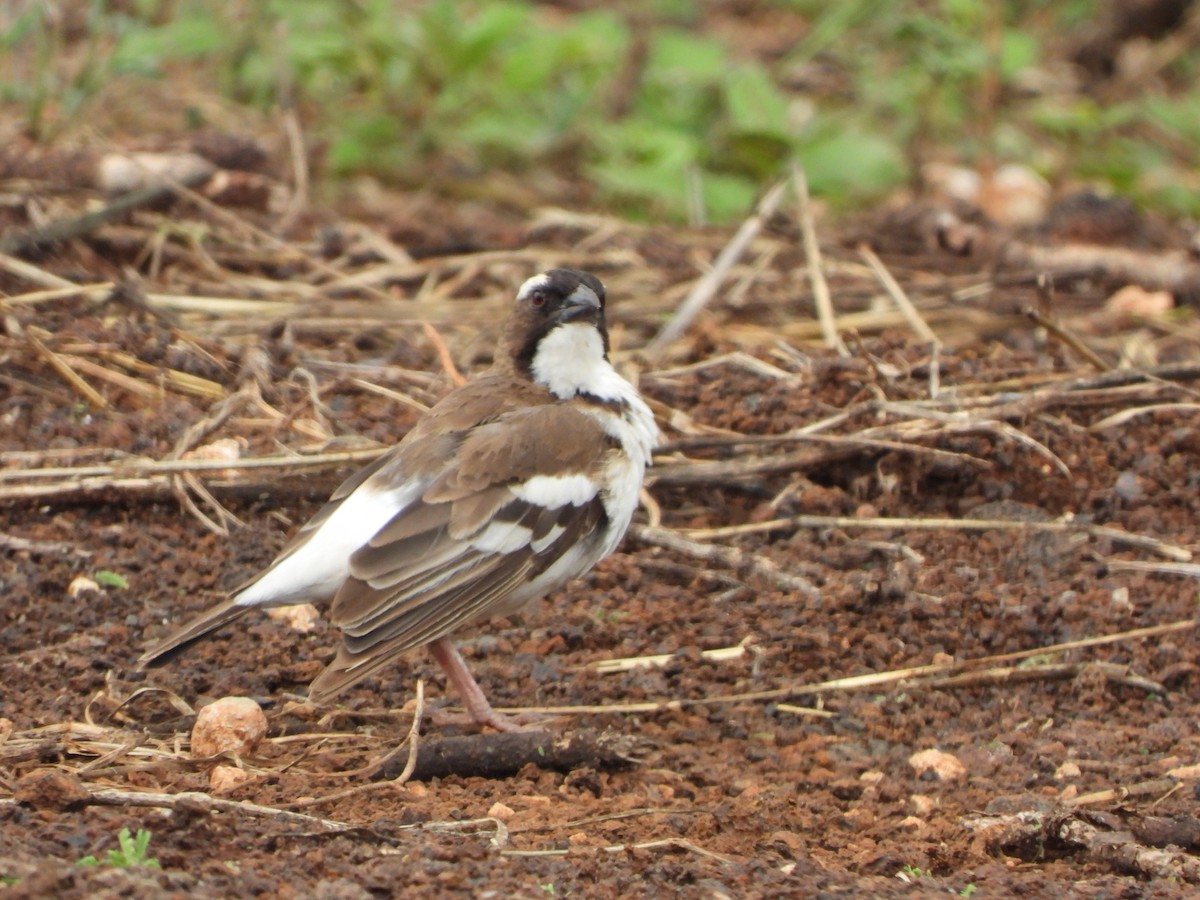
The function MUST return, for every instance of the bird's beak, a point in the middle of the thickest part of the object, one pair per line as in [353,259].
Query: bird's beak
[582,305]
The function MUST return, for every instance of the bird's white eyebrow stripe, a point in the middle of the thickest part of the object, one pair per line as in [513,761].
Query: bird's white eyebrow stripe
[533,284]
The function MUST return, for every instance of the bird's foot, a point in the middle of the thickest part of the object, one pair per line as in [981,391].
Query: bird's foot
[489,718]
[479,710]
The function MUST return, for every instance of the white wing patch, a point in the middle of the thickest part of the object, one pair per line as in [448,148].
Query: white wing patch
[556,491]
[316,570]
[551,536]
[502,537]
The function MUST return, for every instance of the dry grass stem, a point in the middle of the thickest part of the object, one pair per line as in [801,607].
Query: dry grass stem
[812,253]
[722,654]
[1116,535]
[1185,569]
[445,358]
[1063,334]
[411,741]
[663,844]
[707,286]
[726,556]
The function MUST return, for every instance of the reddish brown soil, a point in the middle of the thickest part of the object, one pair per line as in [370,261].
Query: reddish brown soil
[731,798]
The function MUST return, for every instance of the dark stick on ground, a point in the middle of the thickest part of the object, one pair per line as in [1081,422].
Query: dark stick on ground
[64,229]
[501,755]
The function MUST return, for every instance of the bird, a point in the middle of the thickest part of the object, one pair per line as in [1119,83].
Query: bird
[512,485]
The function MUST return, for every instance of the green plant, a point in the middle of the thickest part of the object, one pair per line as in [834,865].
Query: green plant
[106,578]
[131,852]
[50,77]
[644,111]
[968,891]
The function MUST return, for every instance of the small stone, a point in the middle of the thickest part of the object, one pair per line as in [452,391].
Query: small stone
[228,449]
[81,584]
[1070,792]
[1120,599]
[51,789]
[944,765]
[912,823]
[1067,770]
[1015,196]
[871,776]
[226,779]
[501,812]
[231,724]
[1128,487]
[579,839]
[922,804]
[117,173]
[1135,300]
[225,448]
[303,617]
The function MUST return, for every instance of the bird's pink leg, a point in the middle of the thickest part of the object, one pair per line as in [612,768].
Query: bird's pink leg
[464,682]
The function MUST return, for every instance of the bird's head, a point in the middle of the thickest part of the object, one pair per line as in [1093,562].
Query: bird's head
[557,334]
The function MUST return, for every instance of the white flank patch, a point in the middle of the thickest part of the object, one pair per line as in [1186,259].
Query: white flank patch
[621,499]
[556,491]
[570,359]
[317,570]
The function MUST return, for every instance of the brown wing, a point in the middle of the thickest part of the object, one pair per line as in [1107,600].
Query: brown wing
[472,542]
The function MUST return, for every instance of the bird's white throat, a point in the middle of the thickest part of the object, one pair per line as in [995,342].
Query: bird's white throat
[570,360]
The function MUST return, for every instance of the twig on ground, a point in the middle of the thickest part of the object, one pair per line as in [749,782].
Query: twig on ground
[816,275]
[412,742]
[722,654]
[58,287]
[1152,847]
[1061,332]
[25,545]
[915,320]
[663,844]
[1125,415]
[1116,535]
[708,284]
[65,229]
[197,800]
[1186,569]
[1117,674]
[726,556]
[443,354]
[73,378]
[298,156]
[500,755]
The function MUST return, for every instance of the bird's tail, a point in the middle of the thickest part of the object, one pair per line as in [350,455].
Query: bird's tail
[198,628]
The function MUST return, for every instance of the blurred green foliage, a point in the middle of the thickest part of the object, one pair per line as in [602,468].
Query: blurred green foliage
[661,118]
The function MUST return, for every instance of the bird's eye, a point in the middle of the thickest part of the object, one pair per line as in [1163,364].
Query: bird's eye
[537,298]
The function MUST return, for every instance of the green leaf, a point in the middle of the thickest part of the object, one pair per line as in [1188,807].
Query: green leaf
[755,105]
[681,56]
[106,578]
[852,162]
[193,35]
[1019,50]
